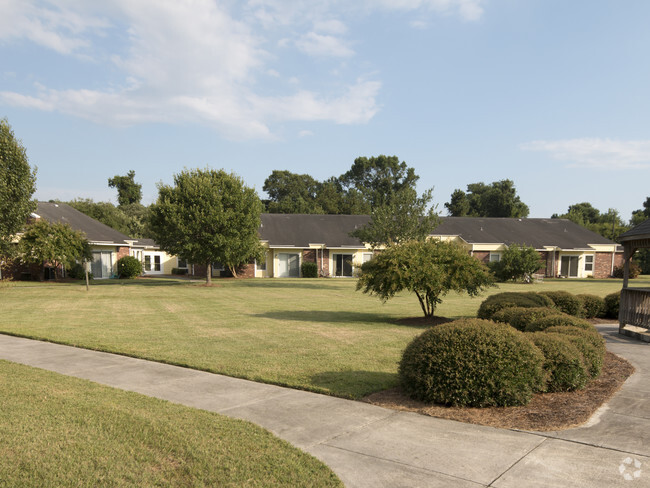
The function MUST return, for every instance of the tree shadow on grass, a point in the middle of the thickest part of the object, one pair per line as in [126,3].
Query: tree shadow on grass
[327,316]
[304,283]
[138,282]
[354,384]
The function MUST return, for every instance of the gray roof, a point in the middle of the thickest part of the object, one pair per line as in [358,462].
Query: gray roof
[538,233]
[641,231]
[300,230]
[95,231]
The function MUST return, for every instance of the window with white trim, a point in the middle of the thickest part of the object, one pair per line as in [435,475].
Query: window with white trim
[589,262]
[182,263]
[495,257]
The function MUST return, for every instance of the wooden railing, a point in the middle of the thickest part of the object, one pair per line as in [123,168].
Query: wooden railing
[635,307]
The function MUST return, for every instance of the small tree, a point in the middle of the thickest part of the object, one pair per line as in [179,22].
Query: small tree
[128,191]
[430,269]
[517,263]
[208,216]
[53,243]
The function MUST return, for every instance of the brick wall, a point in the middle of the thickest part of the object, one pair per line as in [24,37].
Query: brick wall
[121,252]
[603,264]
[483,256]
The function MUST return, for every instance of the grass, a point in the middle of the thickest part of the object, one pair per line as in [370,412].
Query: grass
[318,335]
[62,431]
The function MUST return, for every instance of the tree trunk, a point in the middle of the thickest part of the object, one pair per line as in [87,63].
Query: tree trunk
[233,271]
[208,274]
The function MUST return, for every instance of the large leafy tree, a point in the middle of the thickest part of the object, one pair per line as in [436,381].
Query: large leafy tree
[642,214]
[128,191]
[291,193]
[498,199]
[517,263]
[54,243]
[430,269]
[608,224]
[106,213]
[208,216]
[17,185]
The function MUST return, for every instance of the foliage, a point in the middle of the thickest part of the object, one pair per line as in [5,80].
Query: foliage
[520,317]
[517,263]
[17,184]
[130,219]
[430,269]
[592,305]
[612,305]
[498,199]
[589,342]
[563,362]
[128,191]
[208,216]
[472,362]
[179,271]
[309,269]
[128,267]
[560,319]
[291,193]
[53,243]
[405,217]
[78,272]
[641,215]
[609,224]
[566,302]
[634,271]
[498,301]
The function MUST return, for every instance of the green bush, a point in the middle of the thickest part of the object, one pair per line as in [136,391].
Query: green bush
[179,271]
[309,269]
[590,343]
[593,306]
[635,271]
[564,363]
[544,323]
[520,317]
[128,267]
[565,301]
[78,272]
[612,304]
[494,303]
[472,362]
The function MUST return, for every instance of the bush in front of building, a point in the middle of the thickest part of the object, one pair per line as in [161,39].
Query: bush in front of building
[565,301]
[635,271]
[128,267]
[499,301]
[561,319]
[612,304]
[309,269]
[592,305]
[520,317]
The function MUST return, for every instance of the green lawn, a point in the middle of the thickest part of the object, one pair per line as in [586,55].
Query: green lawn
[61,431]
[319,335]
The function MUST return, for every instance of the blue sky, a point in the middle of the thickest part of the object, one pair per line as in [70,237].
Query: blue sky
[552,94]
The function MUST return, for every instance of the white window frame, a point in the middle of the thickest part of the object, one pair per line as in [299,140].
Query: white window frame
[495,257]
[590,261]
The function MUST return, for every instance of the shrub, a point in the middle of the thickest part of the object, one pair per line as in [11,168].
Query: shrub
[590,343]
[78,272]
[612,304]
[565,301]
[128,267]
[179,271]
[472,362]
[635,271]
[517,263]
[520,317]
[593,306]
[309,269]
[494,303]
[544,323]
[564,363]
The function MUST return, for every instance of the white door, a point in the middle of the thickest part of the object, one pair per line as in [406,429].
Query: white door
[102,264]
[288,265]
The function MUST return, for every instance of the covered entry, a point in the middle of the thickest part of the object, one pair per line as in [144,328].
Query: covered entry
[569,266]
[288,265]
[343,265]
[102,264]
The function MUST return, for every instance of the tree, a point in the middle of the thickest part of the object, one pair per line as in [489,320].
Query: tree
[517,263]
[641,215]
[377,179]
[609,224]
[430,269]
[291,193]
[498,199]
[53,243]
[130,219]
[17,185]
[128,191]
[404,218]
[208,216]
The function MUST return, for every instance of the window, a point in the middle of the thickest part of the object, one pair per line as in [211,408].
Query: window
[343,265]
[495,257]
[261,266]
[589,263]
[182,263]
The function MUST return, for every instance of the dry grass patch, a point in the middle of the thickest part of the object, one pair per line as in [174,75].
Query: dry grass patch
[545,412]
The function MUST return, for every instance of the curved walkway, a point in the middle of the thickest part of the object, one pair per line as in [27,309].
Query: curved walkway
[369,446]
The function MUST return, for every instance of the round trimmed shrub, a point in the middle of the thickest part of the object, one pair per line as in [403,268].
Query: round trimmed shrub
[128,267]
[565,301]
[520,317]
[559,319]
[472,362]
[309,269]
[590,343]
[499,301]
[564,363]
[592,305]
[612,304]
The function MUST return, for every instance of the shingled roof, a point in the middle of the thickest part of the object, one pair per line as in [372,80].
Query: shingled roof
[641,231]
[300,230]
[95,231]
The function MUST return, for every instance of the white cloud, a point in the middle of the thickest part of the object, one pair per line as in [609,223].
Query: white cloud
[596,153]
[316,44]
[305,133]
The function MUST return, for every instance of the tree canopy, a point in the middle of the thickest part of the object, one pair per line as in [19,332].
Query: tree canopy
[128,191]
[53,243]
[430,269]
[208,216]
[608,224]
[642,214]
[498,199]
[17,185]
[517,263]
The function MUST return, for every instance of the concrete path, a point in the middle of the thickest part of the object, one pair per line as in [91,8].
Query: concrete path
[369,446]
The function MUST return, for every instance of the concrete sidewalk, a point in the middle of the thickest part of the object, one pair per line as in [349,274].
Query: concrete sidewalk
[370,446]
